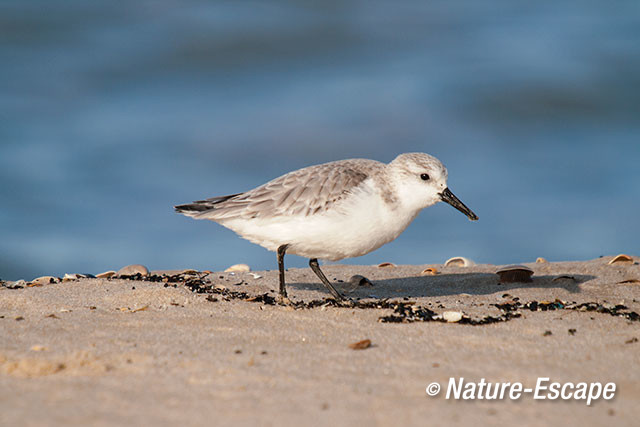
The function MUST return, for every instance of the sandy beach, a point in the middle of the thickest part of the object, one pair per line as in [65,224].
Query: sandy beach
[214,349]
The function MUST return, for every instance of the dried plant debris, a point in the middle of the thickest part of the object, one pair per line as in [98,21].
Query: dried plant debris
[515,274]
[618,310]
[403,311]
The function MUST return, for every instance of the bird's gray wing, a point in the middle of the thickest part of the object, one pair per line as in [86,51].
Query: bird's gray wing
[303,192]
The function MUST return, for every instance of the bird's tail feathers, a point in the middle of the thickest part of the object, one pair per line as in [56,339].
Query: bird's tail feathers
[199,207]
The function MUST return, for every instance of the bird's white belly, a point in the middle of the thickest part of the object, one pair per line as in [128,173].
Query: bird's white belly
[351,229]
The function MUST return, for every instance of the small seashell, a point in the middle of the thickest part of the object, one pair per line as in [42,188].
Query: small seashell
[459,261]
[238,268]
[68,277]
[359,280]
[38,348]
[541,260]
[256,275]
[106,274]
[44,280]
[360,345]
[132,270]
[18,284]
[220,287]
[386,265]
[452,316]
[515,274]
[429,271]
[621,258]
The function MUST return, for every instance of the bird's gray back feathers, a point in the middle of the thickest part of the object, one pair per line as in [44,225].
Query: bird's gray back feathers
[303,192]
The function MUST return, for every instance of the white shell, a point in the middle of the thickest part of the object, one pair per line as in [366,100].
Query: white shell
[44,280]
[132,269]
[621,258]
[106,274]
[386,265]
[238,268]
[459,261]
[452,316]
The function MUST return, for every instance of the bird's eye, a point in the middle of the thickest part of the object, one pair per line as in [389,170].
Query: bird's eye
[424,177]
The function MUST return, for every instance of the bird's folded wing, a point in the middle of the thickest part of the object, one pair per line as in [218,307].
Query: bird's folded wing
[303,192]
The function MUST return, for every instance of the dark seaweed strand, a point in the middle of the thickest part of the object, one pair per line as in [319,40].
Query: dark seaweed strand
[403,311]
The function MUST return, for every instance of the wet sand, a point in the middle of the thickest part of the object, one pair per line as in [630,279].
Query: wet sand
[121,351]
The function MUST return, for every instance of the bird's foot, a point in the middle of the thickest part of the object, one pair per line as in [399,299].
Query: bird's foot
[284,300]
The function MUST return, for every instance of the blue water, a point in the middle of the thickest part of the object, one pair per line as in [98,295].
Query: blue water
[112,112]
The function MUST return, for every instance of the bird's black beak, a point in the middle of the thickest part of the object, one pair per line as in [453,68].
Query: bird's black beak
[449,197]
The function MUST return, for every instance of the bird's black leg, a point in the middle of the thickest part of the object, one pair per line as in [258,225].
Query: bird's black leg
[281,251]
[313,263]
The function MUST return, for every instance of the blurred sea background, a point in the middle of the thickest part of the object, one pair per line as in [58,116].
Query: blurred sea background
[113,112]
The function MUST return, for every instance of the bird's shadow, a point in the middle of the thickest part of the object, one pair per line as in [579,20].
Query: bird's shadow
[448,285]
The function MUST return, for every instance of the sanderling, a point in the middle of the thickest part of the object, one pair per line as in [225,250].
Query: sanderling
[332,211]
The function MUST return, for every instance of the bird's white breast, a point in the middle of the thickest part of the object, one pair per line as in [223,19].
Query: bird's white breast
[360,223]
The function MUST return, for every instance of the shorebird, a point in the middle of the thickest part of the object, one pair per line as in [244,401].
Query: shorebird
[331,211]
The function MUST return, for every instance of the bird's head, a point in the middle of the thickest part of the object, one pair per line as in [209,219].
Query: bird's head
[421,181]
